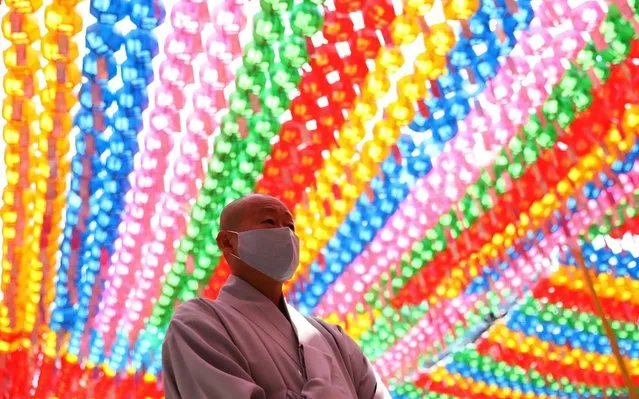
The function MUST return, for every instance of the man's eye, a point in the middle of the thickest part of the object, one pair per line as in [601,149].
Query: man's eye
[269,221]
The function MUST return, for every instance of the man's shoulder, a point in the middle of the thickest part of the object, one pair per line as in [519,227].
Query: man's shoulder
[194,309]
[200,315]
[200,322]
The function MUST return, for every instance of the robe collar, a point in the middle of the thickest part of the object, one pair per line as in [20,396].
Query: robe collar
[287,327]
[247,300]
[301,341]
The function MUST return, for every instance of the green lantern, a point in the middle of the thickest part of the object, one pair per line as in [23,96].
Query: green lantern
[240,104]
[267,28]
[263,125]
[258,56]
[293,51]
[243,80]
[285,77]
[229,127]
[275,101]
[306,19]
[276,6]
[252,81]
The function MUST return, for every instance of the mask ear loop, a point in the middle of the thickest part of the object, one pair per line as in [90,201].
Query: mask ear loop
[237,234]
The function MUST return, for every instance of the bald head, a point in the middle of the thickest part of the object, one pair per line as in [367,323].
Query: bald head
[232,213]
[236,212]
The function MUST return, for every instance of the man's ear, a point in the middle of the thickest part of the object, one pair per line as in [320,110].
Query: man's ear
[226,241]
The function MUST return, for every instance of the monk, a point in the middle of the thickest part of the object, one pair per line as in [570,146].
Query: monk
[249,343]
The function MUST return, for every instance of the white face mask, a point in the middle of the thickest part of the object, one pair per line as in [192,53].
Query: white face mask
[274,252]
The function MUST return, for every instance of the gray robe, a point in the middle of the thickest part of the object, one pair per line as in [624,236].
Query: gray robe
[242,346]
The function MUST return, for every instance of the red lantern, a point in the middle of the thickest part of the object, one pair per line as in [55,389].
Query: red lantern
[338,27]
[355,68]
[379,14]
[365,43]
[326,59]
[347,6]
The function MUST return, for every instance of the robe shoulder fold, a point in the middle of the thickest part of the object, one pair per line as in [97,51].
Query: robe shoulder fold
[367,382]
[200,360]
